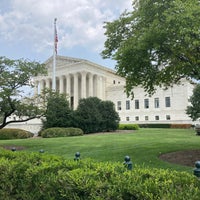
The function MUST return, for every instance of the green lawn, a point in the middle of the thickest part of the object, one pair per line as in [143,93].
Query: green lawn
[143,146]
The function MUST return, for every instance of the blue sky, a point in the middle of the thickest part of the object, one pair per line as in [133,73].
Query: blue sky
[26,28]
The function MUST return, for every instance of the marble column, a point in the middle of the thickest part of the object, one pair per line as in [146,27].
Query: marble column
[48,83]
[36,87]
[103,88]
[83,84]
[99,87]
[61,84]
[75,90]
[90,85]
[42,85]
[68,83]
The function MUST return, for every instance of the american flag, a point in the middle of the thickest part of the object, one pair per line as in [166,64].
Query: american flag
[55,36]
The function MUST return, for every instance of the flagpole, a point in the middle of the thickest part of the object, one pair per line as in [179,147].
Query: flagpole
[54,58]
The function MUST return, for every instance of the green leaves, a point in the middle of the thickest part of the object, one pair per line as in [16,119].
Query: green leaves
[194,110]
[16,74]
[58,112]
[40,176]
[157,44]
[94,115]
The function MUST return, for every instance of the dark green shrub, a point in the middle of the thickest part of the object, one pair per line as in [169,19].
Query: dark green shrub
[154,125]
[58,112]
[12,133]
[61,132]
[94,115]
[37,176]
[128,127]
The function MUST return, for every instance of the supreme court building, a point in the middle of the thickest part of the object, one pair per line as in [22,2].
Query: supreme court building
[80,78]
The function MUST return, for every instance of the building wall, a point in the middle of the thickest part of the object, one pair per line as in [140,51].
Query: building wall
[113,87]
[178,95]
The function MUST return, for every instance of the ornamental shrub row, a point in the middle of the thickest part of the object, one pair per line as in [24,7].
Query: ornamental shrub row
[183,126]
[61,132]
[36,176]
[12,133]
[128,127]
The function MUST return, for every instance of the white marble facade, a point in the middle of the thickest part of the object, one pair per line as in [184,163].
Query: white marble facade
[80,78]
[77,78]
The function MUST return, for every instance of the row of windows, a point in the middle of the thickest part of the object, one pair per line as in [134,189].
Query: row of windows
[146,103]
[146,118]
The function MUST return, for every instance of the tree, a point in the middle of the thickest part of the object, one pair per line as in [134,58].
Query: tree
[58,112]
[94,115]
[110,118]
[87,115]
[194,110]
[157,44]
[14,75]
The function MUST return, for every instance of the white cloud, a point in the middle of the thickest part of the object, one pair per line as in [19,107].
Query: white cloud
[80,22]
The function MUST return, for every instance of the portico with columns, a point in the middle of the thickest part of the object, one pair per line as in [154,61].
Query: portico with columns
[78,78]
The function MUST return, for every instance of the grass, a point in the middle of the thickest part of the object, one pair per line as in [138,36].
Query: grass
[143,146]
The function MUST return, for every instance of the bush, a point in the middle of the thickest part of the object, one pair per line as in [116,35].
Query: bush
[40,176]
[184,126]
[154,125]
[61,132]
[128,127]
[94,115]
[11,133]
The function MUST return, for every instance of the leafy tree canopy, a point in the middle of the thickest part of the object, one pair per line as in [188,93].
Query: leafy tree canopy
[58,112]
[94,115]
[14,75]
[157,44]
[194,110]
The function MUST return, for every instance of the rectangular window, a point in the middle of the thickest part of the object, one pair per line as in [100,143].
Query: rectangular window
[127,105]
[136,118]
[168,117]
[167,102]
[119,105]
[156,103]
[127,119]
[156,117]
[137,105]
[146,103]
[146,118]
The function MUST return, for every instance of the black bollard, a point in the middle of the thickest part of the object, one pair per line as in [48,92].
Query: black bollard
[77,156]
[197,169]
[127,163]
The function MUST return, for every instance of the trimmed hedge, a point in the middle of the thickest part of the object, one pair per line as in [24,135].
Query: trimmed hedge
[154,125]
[128,127]
[184,126]
[12,133]
[36,176]
[61,132]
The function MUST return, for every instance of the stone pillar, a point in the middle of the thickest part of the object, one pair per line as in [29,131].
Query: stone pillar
[48,83]
[90,85]
[61,84]
[103,88]
[68,87]
[83,84]
[35,88]
[99,87]
[41,86]
[75,90]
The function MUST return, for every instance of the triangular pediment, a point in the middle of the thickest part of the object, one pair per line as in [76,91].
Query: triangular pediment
[62,60]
